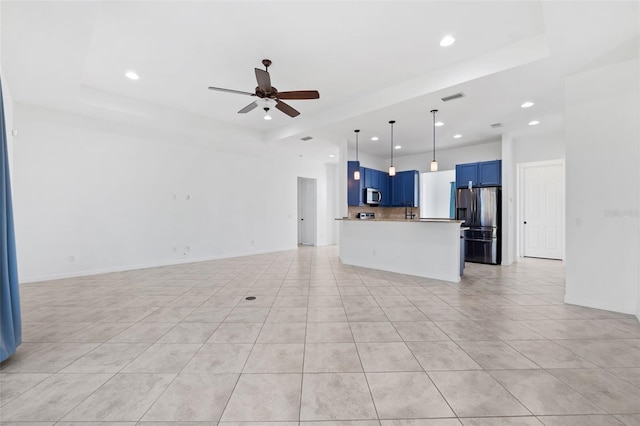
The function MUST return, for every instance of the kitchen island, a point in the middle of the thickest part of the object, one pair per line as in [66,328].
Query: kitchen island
[427,248]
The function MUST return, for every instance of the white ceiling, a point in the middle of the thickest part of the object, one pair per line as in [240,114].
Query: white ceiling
[371,61]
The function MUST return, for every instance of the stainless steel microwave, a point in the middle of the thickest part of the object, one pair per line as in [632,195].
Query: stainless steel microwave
[373,196]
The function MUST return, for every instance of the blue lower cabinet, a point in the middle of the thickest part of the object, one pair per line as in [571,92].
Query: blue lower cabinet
[354,187]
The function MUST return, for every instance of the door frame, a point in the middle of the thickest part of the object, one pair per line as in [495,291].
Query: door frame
[311,185]
[520,206]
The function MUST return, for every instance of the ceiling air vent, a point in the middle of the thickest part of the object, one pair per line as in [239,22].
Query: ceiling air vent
[452,97]
[306,138]
[496,125]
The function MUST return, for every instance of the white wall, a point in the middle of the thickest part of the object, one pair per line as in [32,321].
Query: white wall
[93,196]
[369,161]
[539,147]
[602,160]
[435,193]
[448,158]
[508,201]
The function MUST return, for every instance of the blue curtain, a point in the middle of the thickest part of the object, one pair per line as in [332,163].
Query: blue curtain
[10,322]
[452,201]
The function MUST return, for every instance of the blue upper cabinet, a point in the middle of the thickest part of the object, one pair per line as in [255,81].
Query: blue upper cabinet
[466,173]
[485,173]
[405,188]
[383,186]
[371,179]
[490,173]
[354,187]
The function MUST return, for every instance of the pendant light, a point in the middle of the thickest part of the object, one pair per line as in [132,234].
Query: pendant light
[356,174]
[434,163]
[392,170]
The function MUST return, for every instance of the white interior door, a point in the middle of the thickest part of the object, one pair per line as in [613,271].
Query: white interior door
[307,193]
[542,218]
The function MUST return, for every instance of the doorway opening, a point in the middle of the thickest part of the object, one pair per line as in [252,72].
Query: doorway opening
[541,209]
[307,211]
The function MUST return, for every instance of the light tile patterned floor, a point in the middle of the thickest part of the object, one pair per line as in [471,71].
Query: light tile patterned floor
[322,344]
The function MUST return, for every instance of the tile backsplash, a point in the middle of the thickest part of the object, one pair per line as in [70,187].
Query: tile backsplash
[383,213]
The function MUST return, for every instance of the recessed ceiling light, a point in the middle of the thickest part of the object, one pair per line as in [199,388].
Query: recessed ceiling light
[534,123]
[447,41]
[375,138]
[397,147]
[331,155]
[132,75]
[527,104]
[439,123]
[458,136]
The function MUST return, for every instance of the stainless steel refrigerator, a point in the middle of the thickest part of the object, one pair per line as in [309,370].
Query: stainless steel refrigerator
[480,208]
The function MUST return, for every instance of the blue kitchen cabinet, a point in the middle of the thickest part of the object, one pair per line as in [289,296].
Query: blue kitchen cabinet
[466,173]
[383,186]
[354,187]
[482,174]
[371,178]
[490,173]
[404,188]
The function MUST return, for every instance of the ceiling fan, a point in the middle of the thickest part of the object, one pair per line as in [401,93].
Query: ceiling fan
[266,91]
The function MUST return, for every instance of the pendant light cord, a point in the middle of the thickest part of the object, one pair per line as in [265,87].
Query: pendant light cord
[433,112]
[357,131]
[392,122]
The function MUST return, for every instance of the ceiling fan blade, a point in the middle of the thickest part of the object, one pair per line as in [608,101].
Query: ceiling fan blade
[264,81]
[287,109]
[220,89]
[248,108]
[299,94]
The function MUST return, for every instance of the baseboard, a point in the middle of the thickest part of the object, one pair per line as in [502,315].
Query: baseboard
[598,305]
[169,262]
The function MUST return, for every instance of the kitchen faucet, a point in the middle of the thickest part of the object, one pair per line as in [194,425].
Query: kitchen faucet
[408,214]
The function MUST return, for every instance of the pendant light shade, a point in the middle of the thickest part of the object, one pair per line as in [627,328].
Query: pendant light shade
[356,174]
[392,170]
[434,163]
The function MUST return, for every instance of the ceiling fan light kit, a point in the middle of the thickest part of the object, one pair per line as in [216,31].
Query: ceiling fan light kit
[265,90]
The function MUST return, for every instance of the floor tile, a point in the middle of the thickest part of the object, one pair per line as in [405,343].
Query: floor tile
[193,397]
[275,358]
[404,313]
[606,353]
[219,358]
[336,396]
[169,314]
[287,315]
[163,358]
[502,421]
[147,332]
[265,397]
[374,332]
[495,355]
[406,396]
[476,394]
[434,356]
[322,314]
[580,421]
[382,357]
[13,385]
[421,331]
[326,332]
[236,333]
[52,398]
[603,389]
[132,394]
[203,314]
[421,422]
[465,330]
[548,354]
[281,332]
[331,358]
[98,332]
[245,314]
[365,313]
[107,358]
[631,375]
[543,394]
[190,332]
[45,357]
[630,419]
